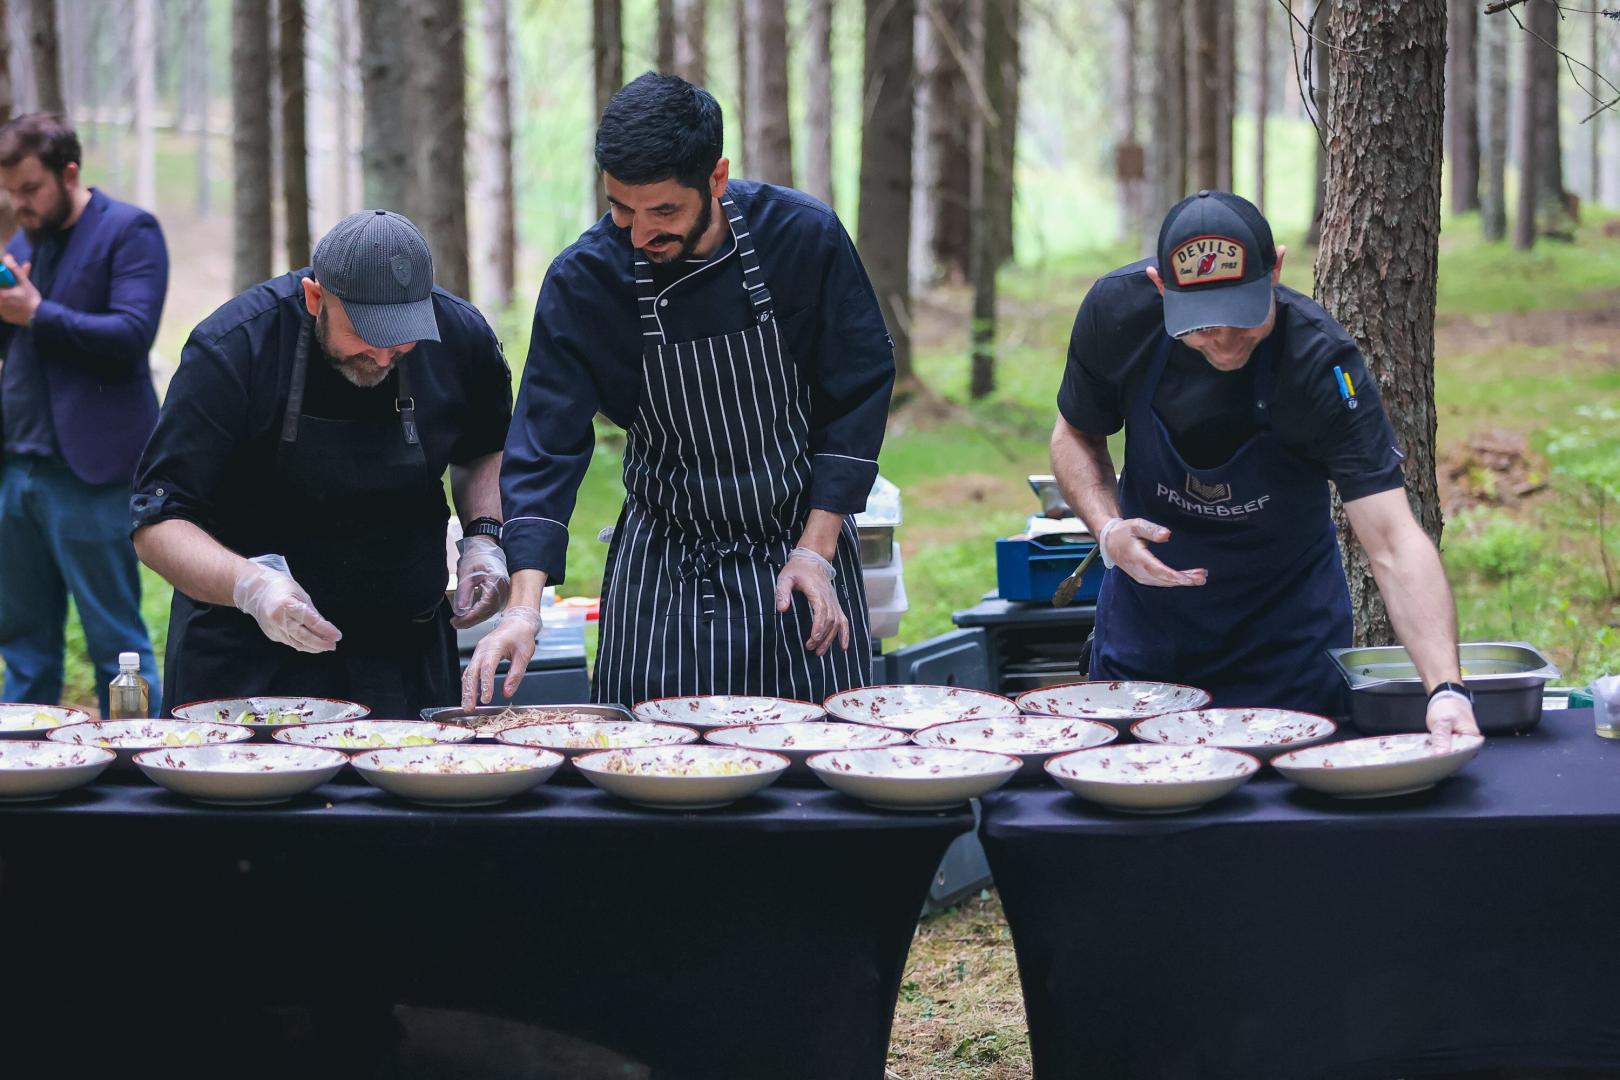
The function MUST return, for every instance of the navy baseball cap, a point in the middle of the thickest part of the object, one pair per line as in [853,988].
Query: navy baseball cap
[379,265]
[1215,259]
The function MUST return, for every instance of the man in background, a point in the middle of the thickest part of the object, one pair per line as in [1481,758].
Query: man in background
[76,406]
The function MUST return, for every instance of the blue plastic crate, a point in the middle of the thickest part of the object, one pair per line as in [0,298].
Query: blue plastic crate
[1033,569]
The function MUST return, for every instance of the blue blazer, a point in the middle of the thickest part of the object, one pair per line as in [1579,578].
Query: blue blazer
[93,331]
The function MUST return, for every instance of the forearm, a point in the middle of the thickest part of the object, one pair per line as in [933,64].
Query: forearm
[1413,583]
[1085,474]
[476,488]
[821,533]
[527,588]
[190,560]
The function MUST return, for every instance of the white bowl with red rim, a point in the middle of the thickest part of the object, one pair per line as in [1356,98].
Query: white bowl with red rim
[1146,778]
[35,721]
[914,777]
[33,769]
[1116,701]
[704,711]
[458,774]
[798,741]
[1378,767]
[1031,738]
[572,738]
[251,774]
[357,736]
[914,707]
[682,777]
[1265,733]
[126,738]
[268,714]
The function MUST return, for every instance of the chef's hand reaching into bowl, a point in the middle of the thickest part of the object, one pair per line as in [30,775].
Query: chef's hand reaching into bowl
[1450,714]
[265,589]
[1124,544]
[807,572]
[482,583]
[513,639]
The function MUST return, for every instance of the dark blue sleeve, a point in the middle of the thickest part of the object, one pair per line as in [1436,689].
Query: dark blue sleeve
[851,378]
[487,383]
[548,447]
[113,343]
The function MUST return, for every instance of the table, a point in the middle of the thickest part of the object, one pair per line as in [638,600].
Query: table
[1281,934]
[767,939]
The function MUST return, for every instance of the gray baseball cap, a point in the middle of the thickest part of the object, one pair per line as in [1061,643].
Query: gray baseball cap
[377,263]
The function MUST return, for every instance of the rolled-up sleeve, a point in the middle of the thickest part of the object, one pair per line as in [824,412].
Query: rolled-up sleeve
[548,447]
[203,423]
[852,377]
[114,342]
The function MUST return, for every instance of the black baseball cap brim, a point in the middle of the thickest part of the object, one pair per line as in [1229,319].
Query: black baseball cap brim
[1245,305]
[387,326]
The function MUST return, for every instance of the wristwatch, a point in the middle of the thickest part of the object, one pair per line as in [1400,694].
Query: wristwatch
[483,526]
[1453,688]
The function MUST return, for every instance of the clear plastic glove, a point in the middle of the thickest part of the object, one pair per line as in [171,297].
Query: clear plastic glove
[482,583]
[809,573]
[1125,543]
[513,639]
[1448,715]
[265,589]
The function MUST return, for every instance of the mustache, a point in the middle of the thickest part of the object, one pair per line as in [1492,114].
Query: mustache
[394,357]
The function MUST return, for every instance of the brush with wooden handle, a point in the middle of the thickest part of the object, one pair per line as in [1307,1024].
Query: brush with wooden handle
[1071,584]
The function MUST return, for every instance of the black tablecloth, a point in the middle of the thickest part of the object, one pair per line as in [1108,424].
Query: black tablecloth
[764,940]
[1280,934]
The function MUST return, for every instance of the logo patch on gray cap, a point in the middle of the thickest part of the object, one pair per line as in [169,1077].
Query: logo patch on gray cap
[401,267]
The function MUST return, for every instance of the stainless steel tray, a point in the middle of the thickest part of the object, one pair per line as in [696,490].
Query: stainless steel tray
[454,714]
[1386,695]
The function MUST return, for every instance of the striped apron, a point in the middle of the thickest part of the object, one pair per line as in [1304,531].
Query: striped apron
[717,490]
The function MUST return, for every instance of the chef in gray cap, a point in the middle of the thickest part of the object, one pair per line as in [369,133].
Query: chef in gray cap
[293,492]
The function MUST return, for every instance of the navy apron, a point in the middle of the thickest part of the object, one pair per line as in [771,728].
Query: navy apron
[717,490]
[1255,634]
[360,518]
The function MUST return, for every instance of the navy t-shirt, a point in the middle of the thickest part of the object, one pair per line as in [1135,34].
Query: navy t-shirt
[1209,413]
[24,391]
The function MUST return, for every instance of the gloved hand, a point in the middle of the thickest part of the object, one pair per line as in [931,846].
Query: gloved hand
[1449,714]
[265,589]
[482,584]
[807,572]
[1124,543]
[512,639]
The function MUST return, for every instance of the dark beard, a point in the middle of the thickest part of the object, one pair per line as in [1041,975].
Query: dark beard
[359,370]
[689,242]
[52,222]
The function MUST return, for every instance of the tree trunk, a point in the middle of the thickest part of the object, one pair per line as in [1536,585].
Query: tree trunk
[250,143]
[1462,105]
[691,48]
[1203,93]
[388,131]
[8,109]
[1002,24]
[884,229]
[664,45]
[1167,150]
[440,100]
[1129,174]
[768,138]
[500,242]
[294,132]
[1594,154]
[350,151]
[195,57]
[1526,146]
[1226,97]
[818,104]
[1376,269]
[1321,84]
[739,15]
[46,54]
[1542,64]
[982,239]
[948,107]
[1262,97]
[144,59]
[607,59]
[1494,114]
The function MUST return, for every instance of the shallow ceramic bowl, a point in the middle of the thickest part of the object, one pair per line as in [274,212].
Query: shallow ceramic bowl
[682,777]
[254,775]
[1144,778]
[1378,767]
[1265,733]
[34,721]
[266,715]
[458,775]
[911,708]
[798,741]
[32,769]
[726,710]
[914,777]
[1030,739]
[575,737]
[1117,702]
[126,738]
[358,735]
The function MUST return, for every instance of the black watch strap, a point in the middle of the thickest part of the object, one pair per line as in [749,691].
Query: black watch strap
[1454,687]
[484,526]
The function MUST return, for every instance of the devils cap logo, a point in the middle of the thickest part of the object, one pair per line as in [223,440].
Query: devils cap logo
[1204,260]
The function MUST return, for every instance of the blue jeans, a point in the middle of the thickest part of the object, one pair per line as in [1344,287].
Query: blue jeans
[59,535]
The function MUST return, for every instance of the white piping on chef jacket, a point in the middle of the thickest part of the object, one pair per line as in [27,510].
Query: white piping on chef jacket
[659,299]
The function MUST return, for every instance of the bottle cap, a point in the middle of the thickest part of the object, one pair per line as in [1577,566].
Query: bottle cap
[129,659]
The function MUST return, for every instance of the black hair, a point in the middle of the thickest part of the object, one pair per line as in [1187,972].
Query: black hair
[42,135]
[660,127]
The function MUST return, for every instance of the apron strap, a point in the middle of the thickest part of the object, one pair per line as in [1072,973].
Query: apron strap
[404,403]
[699,560]
[753,279]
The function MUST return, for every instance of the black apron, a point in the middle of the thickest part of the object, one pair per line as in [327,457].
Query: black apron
[717,482]
[360,517]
